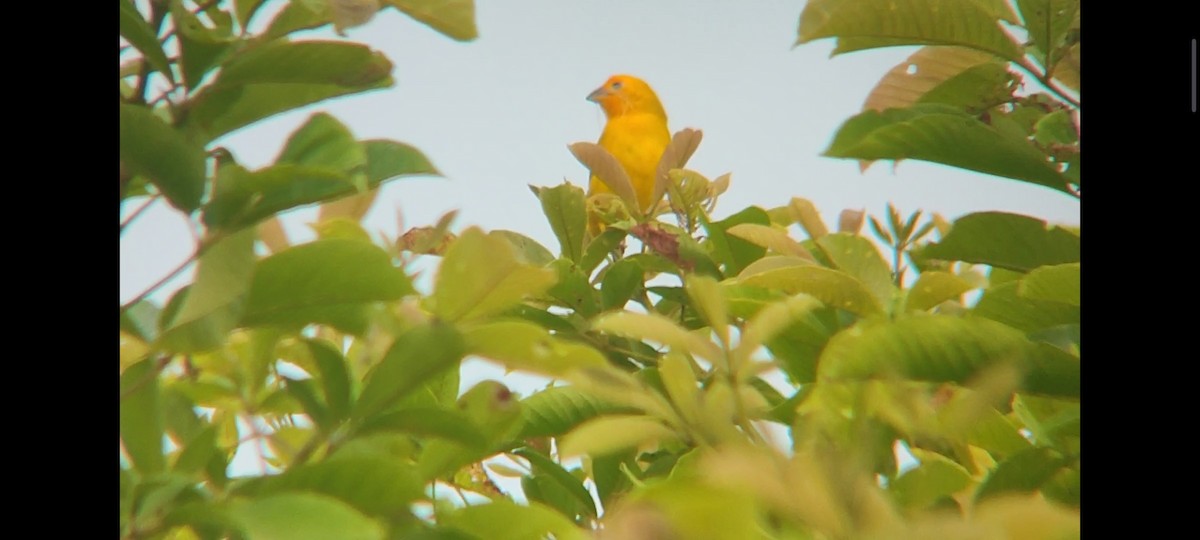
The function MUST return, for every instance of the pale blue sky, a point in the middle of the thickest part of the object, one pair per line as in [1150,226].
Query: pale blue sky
[496,114]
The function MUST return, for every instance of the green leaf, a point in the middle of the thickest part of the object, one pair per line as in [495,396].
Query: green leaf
[295,16]
[946,349]
[556,410]
[657,328]
[334,376]
[279,76]
[387,159]
[1010,241]
[200,47]
[600,247]
[373,485]
[527,346]
[324,142]
[947,135]
[968,23]
[564,206]
[933,288]
[327,281]
[572,289]
[1053,422]
[731,252]
[416,356]
[197,453]
[621,281]
[936,477]
[951,75]
[453,18]
[609,434]
[480,275]
[245,10]
[771,321]
[1056,128]
[250,197]
[141,418]
[1023,471]
[138,33]
[210,307]
[528,250]
[833,287]
[502,519]
[543,465]
[1047,22]
[995,433]
[152,148]
[445,424]
[858,257]
[141,320]
[1002,303]
[301,516]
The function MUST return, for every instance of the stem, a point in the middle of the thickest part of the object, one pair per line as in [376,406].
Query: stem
[139,211]
[1029,68]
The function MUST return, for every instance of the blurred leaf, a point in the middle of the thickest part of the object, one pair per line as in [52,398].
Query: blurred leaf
[572,288]
[352,13]
[611,173]
[1002,303]
[1056,128]
[1053,422]
[850,221]
[141,320]
[278,76]
[141,418]
[327,281]
[301,516]
[250,197]
[480,275]
[677,153]
[138,33]
[245,10]
[1024,471]
[951,75]
[657,328]
[556,410]
[933,288]
[388,159]
[334,376]
[772,320]
[338,228]
[211,306]
[526,346]
[543,465]
[200,47]
[804,212]
[769,237]
[502,519]
[947,135]
[373,485]
[969,23]
[859,257]
[528,250]
[710,303]
[833,287]
[155,149]
[946,349]
[295,16]
[621,282]
[325,142]
[936,477]
[453,18]
[1057,283]
[450,425]
[1005,240]
[564,208]
[1047,22]
[417,355]
[608,434]
[731,252]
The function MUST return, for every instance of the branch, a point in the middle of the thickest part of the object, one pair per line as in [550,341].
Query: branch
[1047,82]
[164,280]
[139,211]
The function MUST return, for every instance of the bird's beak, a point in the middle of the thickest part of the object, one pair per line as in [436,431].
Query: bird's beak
[598,93]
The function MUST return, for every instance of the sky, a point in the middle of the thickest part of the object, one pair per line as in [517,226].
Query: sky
[497,114]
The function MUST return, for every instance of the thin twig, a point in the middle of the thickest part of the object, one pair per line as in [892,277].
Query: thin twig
[139,211]
[187,262]
[1047,82]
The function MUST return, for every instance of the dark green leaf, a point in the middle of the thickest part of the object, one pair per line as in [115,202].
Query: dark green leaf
[1024,471]
[373,485]
[327,281]
[600,247]
[1056,128]
[572,289]
[946,135]
[250,197]
[1047,22]
[138,33]
[1005,240]
[305,393]
[543,465]
[245,10]
[196,455]
[324,142]
[388,159]
[453,18]
[416,356]
[564,206]
[141,418]
[621,281]
[426,421]
[1001,303]
[152,148]
[334,375]
[731,252]
[200,47]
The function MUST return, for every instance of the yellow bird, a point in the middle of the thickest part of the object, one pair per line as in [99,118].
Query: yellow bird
[636,133]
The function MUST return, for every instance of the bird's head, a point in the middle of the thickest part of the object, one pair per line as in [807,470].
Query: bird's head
[625,94]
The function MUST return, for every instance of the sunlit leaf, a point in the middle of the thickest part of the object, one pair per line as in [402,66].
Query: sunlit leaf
[564,208]
[933,288]
[480,275]
[301,516]
[212,305]
[417,355]
[608,434]
[526,346]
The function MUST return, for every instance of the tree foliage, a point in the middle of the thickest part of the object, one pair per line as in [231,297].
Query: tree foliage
[747,377]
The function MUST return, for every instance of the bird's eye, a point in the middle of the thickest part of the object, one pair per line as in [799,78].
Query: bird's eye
[616,85]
